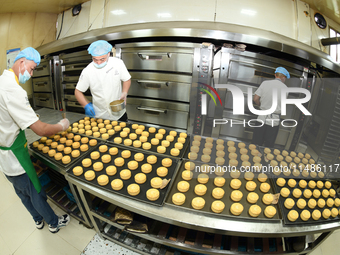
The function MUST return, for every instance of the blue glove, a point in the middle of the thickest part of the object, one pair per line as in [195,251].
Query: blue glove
[89,110]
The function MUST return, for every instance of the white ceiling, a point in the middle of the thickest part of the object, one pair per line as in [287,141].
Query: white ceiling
[329,8]
[45,6]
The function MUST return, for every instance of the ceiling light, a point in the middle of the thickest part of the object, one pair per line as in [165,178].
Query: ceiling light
[248,12]
[118,12]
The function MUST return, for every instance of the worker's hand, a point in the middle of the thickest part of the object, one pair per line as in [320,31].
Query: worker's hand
[65,123]
[89,110]
[123,96]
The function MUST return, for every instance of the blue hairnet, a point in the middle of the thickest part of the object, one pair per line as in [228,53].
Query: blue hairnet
[283,71]
[30,54]
[99,48]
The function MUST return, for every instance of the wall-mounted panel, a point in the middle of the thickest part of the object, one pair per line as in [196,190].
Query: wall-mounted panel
[129,12]
[97,11]
[273,15]
[304,33]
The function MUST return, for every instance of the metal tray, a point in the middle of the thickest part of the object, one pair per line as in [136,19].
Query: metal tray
[172,170]
[213,152]
[154,147]
[190,194]
[299,221]
[59,162]
[91,136]
[281,175]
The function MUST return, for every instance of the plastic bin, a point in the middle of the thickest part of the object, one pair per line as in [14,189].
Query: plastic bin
[44,179]
[69,193]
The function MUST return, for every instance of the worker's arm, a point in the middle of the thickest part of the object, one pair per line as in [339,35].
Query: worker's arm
[257,100]
[125,90]
[81,98]
[44,129]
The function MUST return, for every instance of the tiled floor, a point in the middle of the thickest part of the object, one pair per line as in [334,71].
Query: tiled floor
[19,236]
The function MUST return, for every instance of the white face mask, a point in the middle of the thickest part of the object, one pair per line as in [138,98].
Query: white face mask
[102,64]
[23,78]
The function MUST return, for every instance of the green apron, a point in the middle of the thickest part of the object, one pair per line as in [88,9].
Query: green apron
[20,151]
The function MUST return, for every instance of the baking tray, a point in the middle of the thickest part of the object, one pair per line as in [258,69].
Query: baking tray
[190,194]
[281,175]
[172,170]
[59,162]
[226,157]
[152,135]
[299,221]
[91,136]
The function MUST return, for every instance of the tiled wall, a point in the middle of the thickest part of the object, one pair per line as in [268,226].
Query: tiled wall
[21,30]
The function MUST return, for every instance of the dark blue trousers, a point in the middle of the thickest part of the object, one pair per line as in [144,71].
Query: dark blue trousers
[35,203]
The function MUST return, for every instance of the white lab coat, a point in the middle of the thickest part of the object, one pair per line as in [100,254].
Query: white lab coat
[16,114]
[105,85]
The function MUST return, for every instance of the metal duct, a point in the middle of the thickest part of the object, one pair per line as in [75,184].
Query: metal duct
[330,41]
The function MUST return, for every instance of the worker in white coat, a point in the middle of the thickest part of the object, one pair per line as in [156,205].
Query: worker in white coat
[108,80]
[16,115]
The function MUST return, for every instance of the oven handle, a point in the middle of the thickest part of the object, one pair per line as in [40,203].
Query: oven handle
[156,55]
[166,83]
[41,68]
[150,109]
[41,83]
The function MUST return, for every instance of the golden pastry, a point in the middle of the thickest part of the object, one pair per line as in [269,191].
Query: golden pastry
[330,202]
[297,193]
[280,182]
[334,212]
[132,165]
[84,147]
[326,213]
[288,159]
[328,184]
[189,165]
[140,178]
[203,178]
[175,152]
[264,187]
[321,174]
[289,203]
[219,181]
[267,150]
[152,194]
[325,193]
[60,147]
[106,136]
[139,157]
[113,151]
[284,192]
[231,149]
[219,161]
[187,175]
[98,166]
[305,215]
[301,203]
[111,170]
[270,156]
[192,155]
[167,162]
[262,177]
[200,189]
[106,158]
[198,203]
[220,147]
[319,184]
[270,211]
[209,145]
[337,202]
[69,142]
[234,173]
[249,176]
[118,140]
[292,215]
[250,185]
[233,156]
[291,183]
[302,184]
[217,206]
[236,208]
[126,154]
[316,215]
[133,189]
[125,174]
[218,193]
[162,171]
[51,153]
[243,151]
[311,203]
[311,184]
[252,197]
[254,210]
[178,198]
[183,186]
[267,199]
[246,165]
[95,155]
[316,193]
[103,179]
[86,162]
[66,159]
[307,193]
[89,175]
[156,182]
[332,192]
[296,172]
[220,154]
[321,203]
[45,149]
[78,170]
[119,161]
[146,168]
[235,184]
[146,146]
[93,142]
